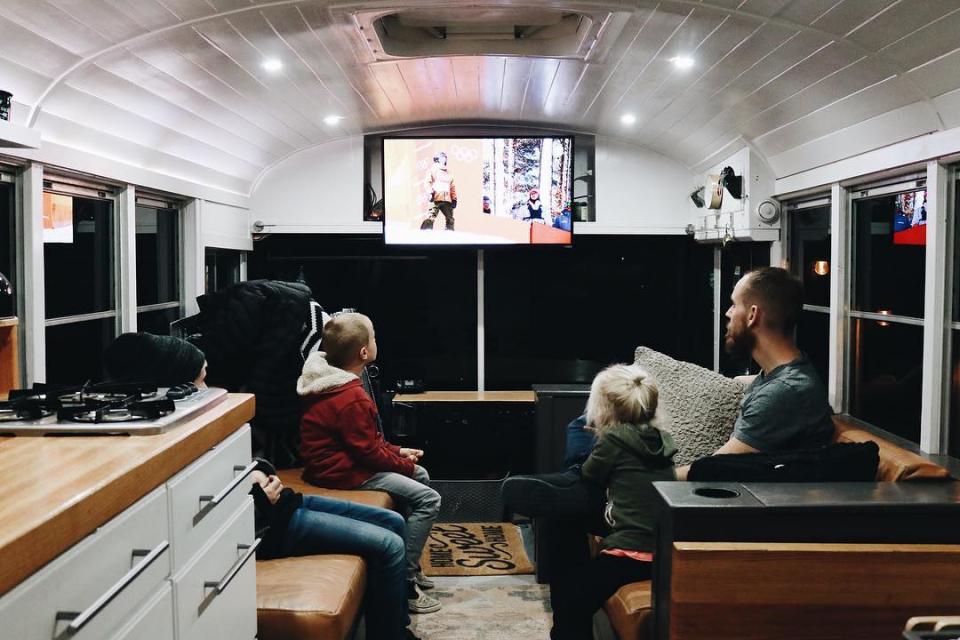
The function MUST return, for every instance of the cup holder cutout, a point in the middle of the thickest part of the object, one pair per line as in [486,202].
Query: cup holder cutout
[716,492]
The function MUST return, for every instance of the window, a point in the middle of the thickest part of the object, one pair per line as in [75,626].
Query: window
[561,316]
[808,224]
[423,304]
[8,236]
[221,268]
[885,357]
[736,260]
[79,279]
[158,266]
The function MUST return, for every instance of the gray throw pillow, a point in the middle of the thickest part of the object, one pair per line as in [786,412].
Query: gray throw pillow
[697,406]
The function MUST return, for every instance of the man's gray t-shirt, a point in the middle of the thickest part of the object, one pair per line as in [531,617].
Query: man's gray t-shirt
[785,409]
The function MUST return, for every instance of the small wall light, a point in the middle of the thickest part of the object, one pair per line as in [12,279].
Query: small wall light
[821,267]
[883,312]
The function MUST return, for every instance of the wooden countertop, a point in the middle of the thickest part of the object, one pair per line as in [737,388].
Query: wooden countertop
[57,490]
[467,396]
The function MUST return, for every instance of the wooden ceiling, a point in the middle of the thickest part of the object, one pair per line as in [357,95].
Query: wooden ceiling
[179,85]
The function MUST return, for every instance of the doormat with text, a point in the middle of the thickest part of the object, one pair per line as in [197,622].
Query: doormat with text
[475,549]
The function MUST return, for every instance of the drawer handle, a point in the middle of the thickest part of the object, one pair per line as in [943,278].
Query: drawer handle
[209,502]
[79,620]
[217,587]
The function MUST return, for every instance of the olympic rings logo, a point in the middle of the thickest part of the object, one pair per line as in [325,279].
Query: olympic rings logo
[463,154]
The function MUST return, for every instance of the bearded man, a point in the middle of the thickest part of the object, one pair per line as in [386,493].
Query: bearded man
[785,406]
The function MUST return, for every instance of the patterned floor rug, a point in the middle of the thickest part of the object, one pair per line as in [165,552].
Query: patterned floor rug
[475,549]
[487,608]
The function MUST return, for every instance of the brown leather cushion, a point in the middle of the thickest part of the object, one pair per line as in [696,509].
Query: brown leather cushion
[309,596]
[629,611]
[293,478]
[895,463]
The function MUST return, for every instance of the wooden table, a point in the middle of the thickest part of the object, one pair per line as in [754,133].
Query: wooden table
[58,490]
[467,396]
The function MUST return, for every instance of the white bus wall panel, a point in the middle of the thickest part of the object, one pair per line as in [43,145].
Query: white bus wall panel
[316,190]
[225,227]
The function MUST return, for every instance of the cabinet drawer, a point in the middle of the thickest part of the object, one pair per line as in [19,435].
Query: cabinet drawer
[154,621]
[92,588]
[215,596]
[205,494]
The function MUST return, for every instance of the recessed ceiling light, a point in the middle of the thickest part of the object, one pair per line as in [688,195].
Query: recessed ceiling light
[682,62]
[628,118]
[332,119]
[272,64]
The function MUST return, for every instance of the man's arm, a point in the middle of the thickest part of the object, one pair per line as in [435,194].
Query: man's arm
[730,446]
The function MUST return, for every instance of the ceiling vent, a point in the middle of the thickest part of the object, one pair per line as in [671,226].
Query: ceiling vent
[477,30]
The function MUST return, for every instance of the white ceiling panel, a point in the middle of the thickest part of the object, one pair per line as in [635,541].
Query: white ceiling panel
[940,76]
[920,46]
[99,142]
[101,18]
[779,73]
[22,46]
[871,102]
[220,66]
[133,98]
[806,12]
[713,119]
[901,18]
[52,24]
[165,87]
[95,113]
[850,15]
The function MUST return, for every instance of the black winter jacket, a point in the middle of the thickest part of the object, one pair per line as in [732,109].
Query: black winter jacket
[251,334]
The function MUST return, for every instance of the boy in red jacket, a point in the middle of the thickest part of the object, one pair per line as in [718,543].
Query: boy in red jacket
[342,443]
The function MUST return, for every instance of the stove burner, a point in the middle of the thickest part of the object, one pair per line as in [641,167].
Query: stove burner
[26,410]
[121,411]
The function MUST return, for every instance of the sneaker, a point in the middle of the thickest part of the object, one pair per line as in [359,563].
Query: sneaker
[422,603]
[551,494]
[423,581]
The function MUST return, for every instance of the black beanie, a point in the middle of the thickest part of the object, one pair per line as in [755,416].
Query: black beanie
[143,357]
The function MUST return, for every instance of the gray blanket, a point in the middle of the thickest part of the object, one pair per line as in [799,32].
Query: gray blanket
[697,406]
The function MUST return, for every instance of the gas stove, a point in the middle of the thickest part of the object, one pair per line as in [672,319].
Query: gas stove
[103,409]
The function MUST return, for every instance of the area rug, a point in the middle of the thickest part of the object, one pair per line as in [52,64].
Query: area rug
[487,608]
[475,549]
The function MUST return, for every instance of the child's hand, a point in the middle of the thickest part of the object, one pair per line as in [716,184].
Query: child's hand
[273,488]
[413,455]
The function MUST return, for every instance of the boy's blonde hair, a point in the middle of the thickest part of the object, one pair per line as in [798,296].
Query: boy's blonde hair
[343,336]
[622,393]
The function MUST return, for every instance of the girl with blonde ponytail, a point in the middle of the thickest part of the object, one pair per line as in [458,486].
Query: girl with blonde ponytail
[631,453]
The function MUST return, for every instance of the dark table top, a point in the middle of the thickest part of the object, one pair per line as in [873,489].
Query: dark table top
[827,495]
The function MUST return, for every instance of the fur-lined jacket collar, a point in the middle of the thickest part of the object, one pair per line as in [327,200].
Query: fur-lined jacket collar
[319,375]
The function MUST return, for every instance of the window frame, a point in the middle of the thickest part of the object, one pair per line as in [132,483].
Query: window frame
[145,198]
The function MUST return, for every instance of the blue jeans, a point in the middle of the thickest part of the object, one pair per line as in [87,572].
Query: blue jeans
[327,525]
[416,497]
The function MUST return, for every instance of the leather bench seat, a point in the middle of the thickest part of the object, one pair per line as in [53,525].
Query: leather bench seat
[293,478]
[309,596]
[629,611]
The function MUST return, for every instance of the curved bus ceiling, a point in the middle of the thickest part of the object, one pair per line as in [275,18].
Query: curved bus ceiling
[178,86]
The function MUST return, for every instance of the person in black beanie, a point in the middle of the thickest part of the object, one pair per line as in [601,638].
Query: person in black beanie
[161,360]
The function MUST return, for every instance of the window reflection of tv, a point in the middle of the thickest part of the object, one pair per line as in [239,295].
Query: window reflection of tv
[910,218]
[478,191]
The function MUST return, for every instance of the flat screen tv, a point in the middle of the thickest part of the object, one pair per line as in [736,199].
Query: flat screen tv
[478,192]
[910,218]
